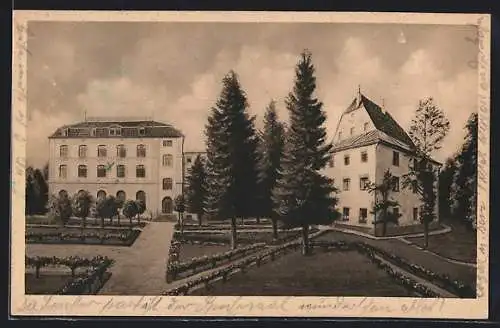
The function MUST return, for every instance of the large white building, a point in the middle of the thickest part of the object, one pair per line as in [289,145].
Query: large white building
[367,142]
[133,159]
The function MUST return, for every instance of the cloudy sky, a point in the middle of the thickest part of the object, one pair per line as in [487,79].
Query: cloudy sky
[173,71]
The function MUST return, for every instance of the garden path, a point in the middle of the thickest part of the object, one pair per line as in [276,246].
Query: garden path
[138,269]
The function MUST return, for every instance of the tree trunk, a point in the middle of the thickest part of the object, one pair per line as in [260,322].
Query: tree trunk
[139,219]
[130,220]
[118,219]
[305,240]
[275,229]
[37,271]
[102,222]
[73,272]
[258,219]
[426,234]
[181,219]
[233,233]
[199,218]
[384,228]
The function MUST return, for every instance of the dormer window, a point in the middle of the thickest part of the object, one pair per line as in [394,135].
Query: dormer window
[93,132]
[365,127]
[65,132]
[352,131]
[142,131]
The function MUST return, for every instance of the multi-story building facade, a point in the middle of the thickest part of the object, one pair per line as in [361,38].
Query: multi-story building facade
[367,142]
[135,159]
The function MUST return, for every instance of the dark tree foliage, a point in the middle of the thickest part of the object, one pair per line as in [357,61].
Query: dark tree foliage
[196,193]
[231,156]
[303,196]
[271,149]
[37,192]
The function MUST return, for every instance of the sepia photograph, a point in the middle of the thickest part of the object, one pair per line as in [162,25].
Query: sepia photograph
[201,165]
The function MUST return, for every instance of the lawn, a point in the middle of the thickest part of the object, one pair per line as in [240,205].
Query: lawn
[189,251]
[46,284]
[412,254]
[459,244]
[334,273]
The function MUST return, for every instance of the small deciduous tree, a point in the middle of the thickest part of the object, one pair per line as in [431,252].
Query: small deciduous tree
[102,210]
[130,210]
[82,203]
[141,208]
[427,130]
[196,192]
[383,201]
[60,208]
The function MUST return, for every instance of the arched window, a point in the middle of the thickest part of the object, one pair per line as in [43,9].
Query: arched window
[101,194]
[121,195]
[168,160]
[63,171]
[167,184]
[102,151]
[141,151]
[120,171]
[82,151]
[167,205]
[121,151]
[141,195]
[82,171]
[101,171]
[140,171]
[63,193]
[63,151]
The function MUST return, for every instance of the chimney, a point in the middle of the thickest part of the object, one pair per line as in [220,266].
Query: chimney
[358,97]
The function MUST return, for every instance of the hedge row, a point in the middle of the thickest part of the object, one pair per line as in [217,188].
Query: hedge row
[126,237]
[455,286]
[174,267]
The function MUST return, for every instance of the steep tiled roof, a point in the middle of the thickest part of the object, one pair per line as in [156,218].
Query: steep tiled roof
[369,138]
[130,129]
[384,122]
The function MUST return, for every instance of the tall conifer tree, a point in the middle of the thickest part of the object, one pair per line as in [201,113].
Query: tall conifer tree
[303,196]
[196,192]
[231,156]
[272,147]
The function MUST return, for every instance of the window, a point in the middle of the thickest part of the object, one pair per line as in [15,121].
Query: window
[101,194]
[102,151]
[365,126]
[140,171]
[121,196]
[363,183]
[188,160]
[63,151]
[395,186]
[121,151]
[364,156]
[141,151]
[167,143]
[345,214]
[167,184]
[82,171]
[395,211]
[65,132]
[352,131]
[345,184]
[142,131]
[93,132]
[363,215]
[415,213]
[141,195]
[395,158]
[331,162]
[116,131]
[347,160]
[340,135]
[101,171]
[63,171]
[63,193]
[82,151]
[167,160]
[120,171]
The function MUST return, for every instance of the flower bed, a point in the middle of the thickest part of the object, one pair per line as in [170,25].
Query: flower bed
[197,264]
[119,238]
[457,287]
[224,273]
[191,227]
[87,283]
[91,222]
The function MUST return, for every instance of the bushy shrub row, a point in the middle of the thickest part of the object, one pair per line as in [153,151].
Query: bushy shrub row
[226,271]
[174,267]
[85,284]
[190,227]
[72,262]
[123,237]
[455,286]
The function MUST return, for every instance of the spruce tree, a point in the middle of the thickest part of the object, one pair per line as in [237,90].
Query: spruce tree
[427,130]
[271,150]
[196,192]
[303,196]
[446,194]
[231,156]
[42,188]
[465,178]
[30,192]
